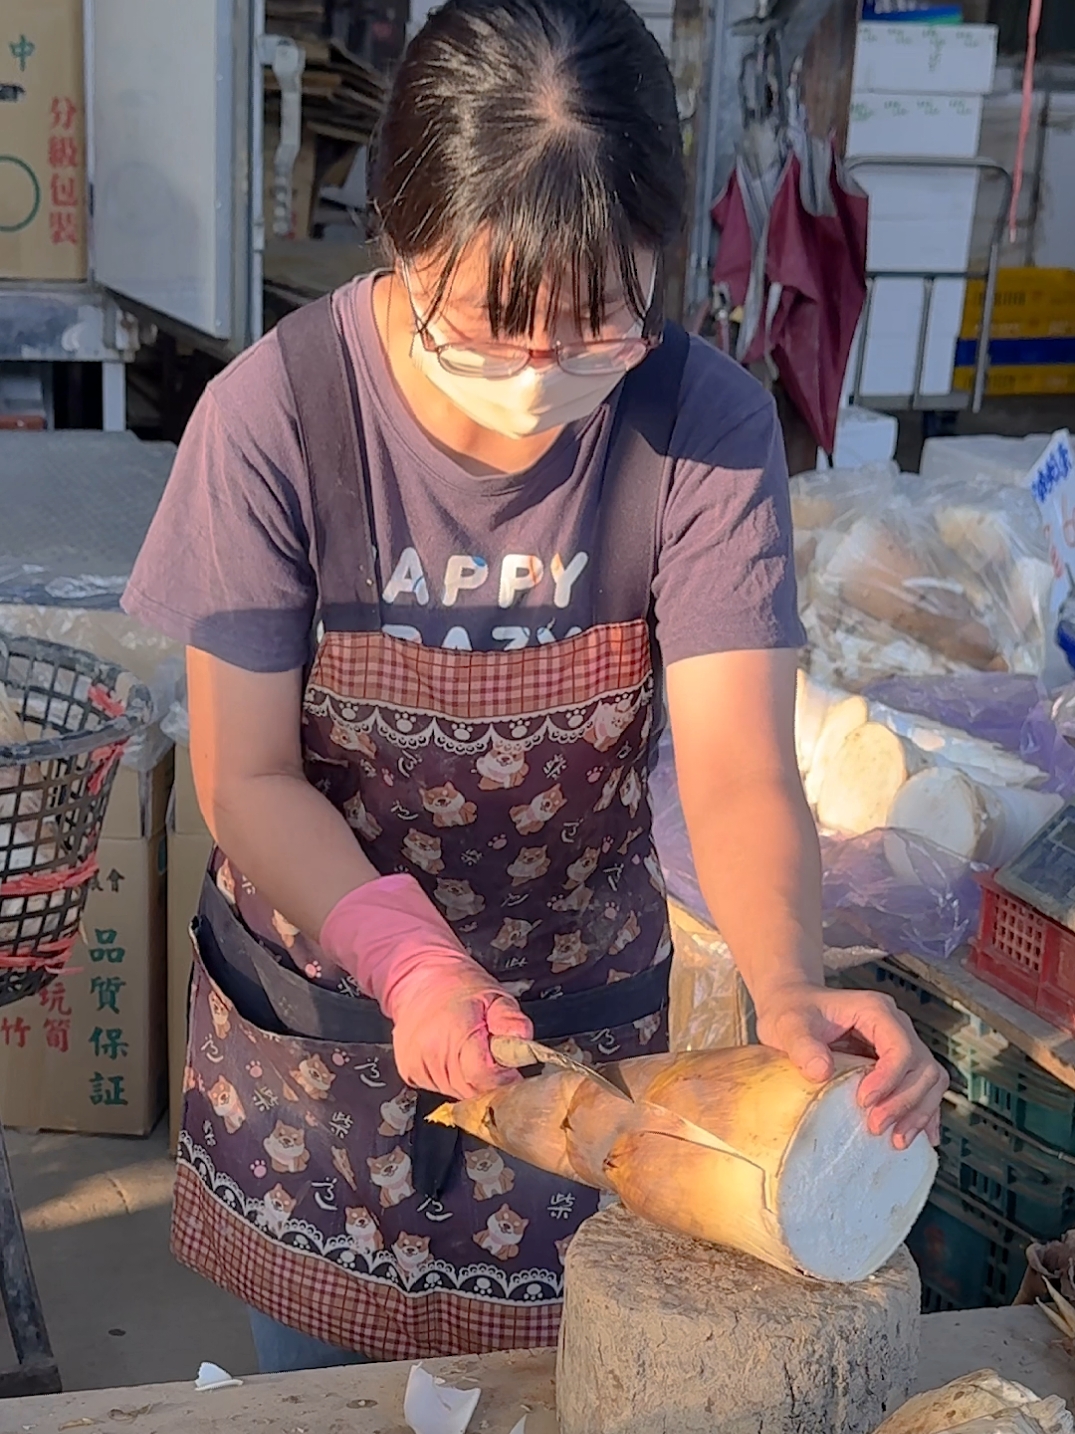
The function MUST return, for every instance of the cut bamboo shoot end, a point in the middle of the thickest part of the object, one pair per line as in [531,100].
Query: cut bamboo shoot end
[862,778]
[839,722]
[844,1205]
[1016,814]
[813,703]
[943,806]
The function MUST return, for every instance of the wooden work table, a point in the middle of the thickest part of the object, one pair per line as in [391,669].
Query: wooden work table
[1018,1343]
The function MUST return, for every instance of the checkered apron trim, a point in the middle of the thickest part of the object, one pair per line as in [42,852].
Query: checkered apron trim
[308,1293]
[483,685]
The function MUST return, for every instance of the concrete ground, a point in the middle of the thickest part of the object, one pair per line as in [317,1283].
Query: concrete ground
[119,1310]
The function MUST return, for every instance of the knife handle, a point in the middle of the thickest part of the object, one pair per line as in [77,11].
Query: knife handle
[514,1052]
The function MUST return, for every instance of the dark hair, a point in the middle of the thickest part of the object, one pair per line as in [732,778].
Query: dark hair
[550,126]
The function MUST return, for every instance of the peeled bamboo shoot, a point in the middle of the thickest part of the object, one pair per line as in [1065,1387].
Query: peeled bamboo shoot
[862,779]
[839,722]
[809,1190]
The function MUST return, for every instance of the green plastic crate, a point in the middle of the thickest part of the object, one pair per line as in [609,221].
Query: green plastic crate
[981,1064]
[909,995]
[968,1257]
[1023,1181]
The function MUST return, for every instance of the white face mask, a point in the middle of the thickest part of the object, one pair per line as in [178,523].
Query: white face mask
[527,403]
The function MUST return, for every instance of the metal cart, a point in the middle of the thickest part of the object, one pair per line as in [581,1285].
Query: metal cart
[916,400]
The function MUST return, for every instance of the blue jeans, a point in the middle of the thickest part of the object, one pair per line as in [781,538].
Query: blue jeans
[280,1349]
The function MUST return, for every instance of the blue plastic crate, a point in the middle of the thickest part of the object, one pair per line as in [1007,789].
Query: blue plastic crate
[1023,1181]
[967,1256]
[981,1064]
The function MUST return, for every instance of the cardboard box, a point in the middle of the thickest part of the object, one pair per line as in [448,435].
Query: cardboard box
[188,856]
[43,210]
[88,1052]
[138,803]
[925,59]
[185,817]
[1030,303]
[930,126]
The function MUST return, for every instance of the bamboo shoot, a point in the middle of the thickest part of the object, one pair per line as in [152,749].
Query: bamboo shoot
[862,779]
[809,1189]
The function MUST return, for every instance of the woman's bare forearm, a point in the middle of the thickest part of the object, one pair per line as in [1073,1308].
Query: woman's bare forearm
[290,842]
[759,868]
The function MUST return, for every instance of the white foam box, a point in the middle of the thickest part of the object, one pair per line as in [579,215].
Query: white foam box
[892,343]
[926,126]
[925,59]
[920,219]
[863,437]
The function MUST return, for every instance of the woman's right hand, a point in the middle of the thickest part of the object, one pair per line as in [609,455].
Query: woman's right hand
[444,1007]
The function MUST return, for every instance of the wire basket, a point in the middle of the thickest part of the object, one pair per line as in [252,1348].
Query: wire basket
[65,718]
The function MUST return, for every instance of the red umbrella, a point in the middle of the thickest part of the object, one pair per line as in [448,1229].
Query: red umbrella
[793,256]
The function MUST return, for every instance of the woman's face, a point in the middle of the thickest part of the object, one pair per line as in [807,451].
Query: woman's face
[521,386]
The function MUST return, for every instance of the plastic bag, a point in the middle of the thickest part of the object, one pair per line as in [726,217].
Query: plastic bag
[920,575]
[708,1003]
[985,458]
[991,705]
[884,891]
[155,660]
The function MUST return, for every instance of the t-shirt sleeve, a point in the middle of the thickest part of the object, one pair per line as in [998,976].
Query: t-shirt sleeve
[226,564]
[725,576]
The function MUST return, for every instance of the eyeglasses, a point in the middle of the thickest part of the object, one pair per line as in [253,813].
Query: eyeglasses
[471,358]
[492,360]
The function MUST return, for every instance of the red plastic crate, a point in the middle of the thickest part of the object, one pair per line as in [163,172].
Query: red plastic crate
[1028,956]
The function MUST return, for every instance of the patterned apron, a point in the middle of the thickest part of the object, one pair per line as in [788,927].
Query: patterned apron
[513,786]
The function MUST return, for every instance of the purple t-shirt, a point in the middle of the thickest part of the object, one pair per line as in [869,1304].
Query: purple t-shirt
[484,563]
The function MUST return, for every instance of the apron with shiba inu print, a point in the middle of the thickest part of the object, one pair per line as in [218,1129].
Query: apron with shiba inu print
[513,785]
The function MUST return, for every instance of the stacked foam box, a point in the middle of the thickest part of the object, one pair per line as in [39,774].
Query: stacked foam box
[918,94]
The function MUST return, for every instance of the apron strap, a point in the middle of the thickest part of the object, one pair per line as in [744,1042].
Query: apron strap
[637,471]
[326,408]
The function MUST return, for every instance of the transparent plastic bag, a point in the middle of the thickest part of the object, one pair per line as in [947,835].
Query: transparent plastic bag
[885,891]
[982,458]
[708,1003]
[112,636]
[921,575]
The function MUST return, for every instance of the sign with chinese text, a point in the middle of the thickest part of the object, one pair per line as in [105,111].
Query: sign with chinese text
[88,1052]
[43,210]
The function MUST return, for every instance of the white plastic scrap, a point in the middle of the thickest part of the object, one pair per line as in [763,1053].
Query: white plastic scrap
[432,1407]
[211,1376]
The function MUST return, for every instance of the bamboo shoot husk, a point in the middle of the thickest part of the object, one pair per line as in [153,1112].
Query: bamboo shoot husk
[809,1190]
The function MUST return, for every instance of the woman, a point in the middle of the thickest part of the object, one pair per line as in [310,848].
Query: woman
[427,544]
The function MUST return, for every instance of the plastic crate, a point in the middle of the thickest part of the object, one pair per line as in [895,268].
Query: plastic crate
[910,996]
[967,1256]
[1024,1182]
[1025,954]
[981,1064]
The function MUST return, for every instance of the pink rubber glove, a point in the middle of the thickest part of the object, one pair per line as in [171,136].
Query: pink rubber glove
[443,1006]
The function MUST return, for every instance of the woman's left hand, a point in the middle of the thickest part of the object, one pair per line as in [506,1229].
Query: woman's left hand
[902,1093]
